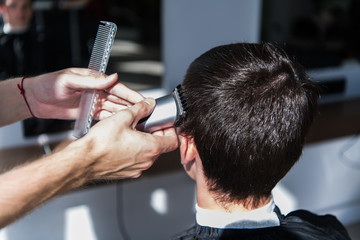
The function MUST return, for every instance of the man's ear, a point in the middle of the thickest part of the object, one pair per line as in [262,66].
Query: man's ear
[188,153]
[188,149]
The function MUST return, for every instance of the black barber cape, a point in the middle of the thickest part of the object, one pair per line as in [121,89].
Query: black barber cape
[297,225]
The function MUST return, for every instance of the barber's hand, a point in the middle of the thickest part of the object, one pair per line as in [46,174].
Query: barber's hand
[118,150]
[57,94]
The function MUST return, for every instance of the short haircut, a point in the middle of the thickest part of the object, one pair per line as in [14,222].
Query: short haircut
[249,108]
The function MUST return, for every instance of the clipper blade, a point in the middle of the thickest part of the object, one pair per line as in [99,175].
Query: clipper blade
[181,105]
[98,62]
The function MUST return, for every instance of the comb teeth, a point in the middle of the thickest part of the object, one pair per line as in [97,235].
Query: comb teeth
[98,61]
[102,46]
[181,105]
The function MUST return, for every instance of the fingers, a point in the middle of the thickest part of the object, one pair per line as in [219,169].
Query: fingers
[161,141]
[102,115]
[104,104]
[97,82]
[106,97]
[115,90]
[156,145]
[80,71]
[135,151]
[168,141]
[116,99]
[120,90]
[140,110]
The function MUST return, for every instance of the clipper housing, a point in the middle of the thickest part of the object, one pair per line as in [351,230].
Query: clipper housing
[168,112]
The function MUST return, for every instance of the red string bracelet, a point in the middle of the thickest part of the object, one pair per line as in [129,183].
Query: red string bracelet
[22,92]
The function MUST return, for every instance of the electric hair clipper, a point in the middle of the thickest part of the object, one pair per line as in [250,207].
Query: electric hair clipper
[168,112]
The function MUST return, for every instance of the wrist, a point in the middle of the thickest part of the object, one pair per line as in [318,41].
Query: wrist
[83,150]
[25,96]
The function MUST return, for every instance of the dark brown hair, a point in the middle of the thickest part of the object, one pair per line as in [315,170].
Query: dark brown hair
[249,108]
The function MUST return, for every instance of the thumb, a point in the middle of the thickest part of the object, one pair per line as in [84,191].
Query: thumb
[96,82]
[144,108]
[138,111]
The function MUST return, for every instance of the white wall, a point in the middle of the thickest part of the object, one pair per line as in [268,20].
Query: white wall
[192,27]
[327,179]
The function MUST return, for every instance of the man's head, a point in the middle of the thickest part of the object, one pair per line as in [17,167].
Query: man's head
[249,108]
[17,13]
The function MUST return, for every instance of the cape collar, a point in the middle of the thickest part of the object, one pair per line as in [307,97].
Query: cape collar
[263,217]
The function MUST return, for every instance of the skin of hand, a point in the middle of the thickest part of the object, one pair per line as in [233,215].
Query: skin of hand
[117,150]
[57,94]
[112,149]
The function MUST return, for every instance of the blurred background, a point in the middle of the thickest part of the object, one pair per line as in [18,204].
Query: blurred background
[155,42]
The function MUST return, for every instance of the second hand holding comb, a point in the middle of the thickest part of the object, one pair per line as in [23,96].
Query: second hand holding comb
[98,61]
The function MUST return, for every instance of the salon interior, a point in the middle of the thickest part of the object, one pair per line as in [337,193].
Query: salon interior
[155,42]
